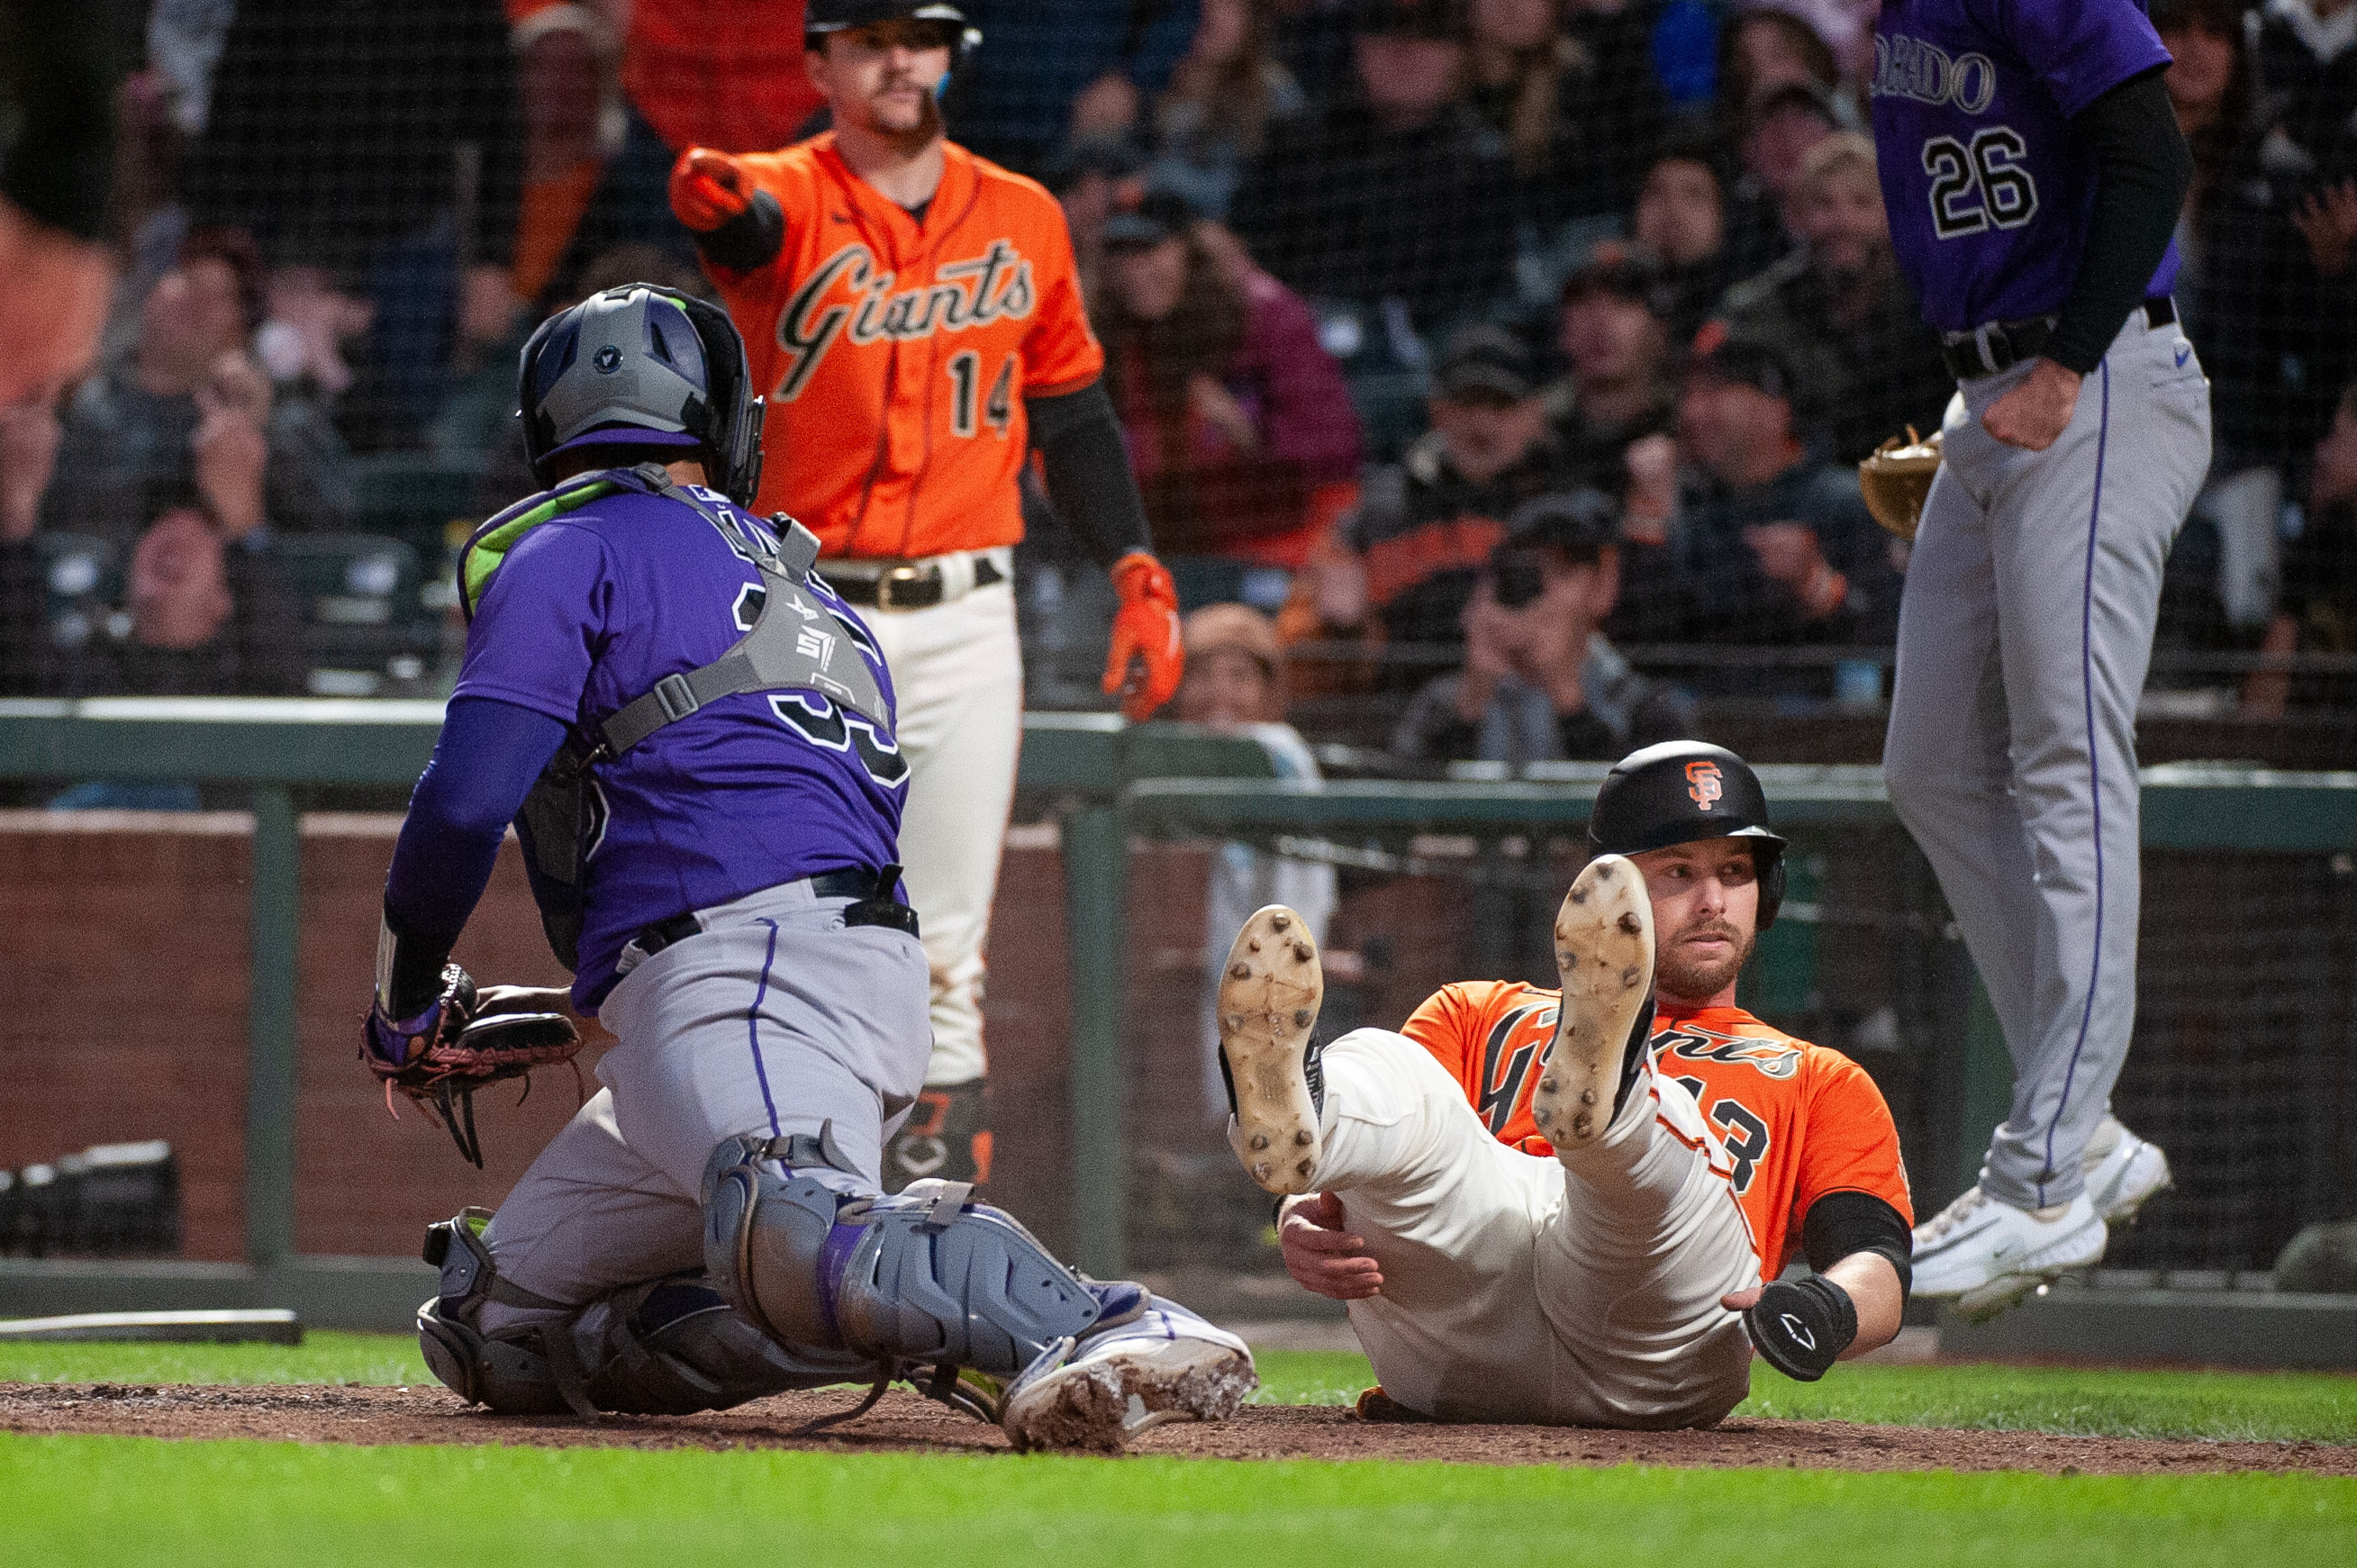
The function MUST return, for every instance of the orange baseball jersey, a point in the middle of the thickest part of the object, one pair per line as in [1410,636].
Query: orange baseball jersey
[1797,1121]
[896,355]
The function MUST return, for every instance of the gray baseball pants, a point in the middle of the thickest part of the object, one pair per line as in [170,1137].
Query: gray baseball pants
[777,1019]
[2023,640]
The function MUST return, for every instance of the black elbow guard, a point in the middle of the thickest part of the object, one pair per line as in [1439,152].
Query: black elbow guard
[1801,1327]
[750,239]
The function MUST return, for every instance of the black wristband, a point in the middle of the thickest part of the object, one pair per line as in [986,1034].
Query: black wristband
[1801,1327]
[752,239]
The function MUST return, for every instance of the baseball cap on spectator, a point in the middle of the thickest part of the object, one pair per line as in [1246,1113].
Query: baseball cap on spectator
[1626,271]
[1237,627]
[1754,362]
[1804,97]
[1415,18]
[1160,214]
[1577,523]
[1116,155]
[1484,364]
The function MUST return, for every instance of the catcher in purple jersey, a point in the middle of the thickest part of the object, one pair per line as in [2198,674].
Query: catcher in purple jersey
[2033,171]
[694,737]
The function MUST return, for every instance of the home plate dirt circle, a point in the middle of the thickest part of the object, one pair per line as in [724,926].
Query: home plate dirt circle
[326,1414]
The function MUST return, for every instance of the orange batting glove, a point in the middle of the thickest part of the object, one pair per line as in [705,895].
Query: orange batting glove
[1144,629]
[708,188]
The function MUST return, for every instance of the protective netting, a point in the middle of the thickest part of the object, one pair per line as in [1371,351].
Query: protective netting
[1373,277]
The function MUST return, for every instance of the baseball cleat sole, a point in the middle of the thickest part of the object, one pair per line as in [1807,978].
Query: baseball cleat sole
[1097,1403]
[1604,952]
[1268,1001]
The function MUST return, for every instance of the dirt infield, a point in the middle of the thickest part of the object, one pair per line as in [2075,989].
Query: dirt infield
[311,1413]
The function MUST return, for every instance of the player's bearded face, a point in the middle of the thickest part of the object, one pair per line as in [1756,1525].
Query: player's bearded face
[886,78]
[1705,913]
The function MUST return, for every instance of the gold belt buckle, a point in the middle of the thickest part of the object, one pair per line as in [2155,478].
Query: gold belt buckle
[903,571]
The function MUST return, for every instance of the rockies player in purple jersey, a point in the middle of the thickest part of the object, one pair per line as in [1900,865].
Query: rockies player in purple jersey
[2033,171]
[695,737]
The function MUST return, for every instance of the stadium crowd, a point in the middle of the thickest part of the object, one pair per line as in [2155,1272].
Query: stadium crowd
[1512,356]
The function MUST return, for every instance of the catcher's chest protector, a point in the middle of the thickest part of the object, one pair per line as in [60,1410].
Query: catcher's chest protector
[795,644]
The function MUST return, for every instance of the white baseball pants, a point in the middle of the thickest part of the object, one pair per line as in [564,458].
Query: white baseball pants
[778,1019]
[957,674]
[1516,1288]
[2024,635]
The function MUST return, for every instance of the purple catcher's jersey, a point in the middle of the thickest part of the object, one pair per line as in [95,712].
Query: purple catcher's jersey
[1989,194]
[587,612]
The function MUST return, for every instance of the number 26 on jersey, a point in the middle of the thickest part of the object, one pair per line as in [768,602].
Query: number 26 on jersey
[1979,185]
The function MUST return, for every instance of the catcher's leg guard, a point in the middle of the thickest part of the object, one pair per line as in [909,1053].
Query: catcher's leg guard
[926,1277]
[667,1346]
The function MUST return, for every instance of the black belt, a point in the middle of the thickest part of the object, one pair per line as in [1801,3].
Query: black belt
[2007,343]
[907,586]
[873,890]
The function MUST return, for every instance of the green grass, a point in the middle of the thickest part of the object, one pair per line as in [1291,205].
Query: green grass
[129,1502]
[2237,1406]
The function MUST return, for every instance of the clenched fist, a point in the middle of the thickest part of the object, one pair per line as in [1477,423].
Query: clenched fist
[708,189]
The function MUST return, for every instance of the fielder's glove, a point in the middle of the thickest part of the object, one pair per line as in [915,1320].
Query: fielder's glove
[1146,628]
[1802,1325]
[464,1039]
[1896,479]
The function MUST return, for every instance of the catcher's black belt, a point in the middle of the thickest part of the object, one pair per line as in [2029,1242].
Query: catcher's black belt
[875,906]
[906,586]
[2001,345]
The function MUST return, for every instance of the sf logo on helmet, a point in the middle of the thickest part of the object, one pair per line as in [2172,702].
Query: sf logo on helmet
[1704,784]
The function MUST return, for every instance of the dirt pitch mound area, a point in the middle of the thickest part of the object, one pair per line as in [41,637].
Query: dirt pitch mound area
[310,1413]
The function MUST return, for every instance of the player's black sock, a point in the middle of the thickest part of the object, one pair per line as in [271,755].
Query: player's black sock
[1632,1053]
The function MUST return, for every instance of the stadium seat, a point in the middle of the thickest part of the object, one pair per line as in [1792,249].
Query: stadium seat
[367,627]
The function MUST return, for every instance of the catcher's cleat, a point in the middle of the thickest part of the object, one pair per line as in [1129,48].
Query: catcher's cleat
[1604,949]
[2123,1171]
[1989,1256]
[1268,1002]
[1166,1365]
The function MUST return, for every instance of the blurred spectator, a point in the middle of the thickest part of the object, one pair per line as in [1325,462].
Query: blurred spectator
[57,78]
[1840,313]
[2238,252]
[2317,613]
[1767,46]
[211,613]
[1783,123]
[614,89]
[1540,683]
[1578,137]
[383,144]
[2307,55]
[189,419]
[1235,682]
[1052,69]
[1092,178]
[1236,417]
[1615,335]
[1403,565]
[1683,218]
[1226,95]
[1772,545]
[1396,197]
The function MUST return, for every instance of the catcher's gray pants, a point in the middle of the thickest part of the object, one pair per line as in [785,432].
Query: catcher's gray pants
[1518,1288]
[2023,639]
[776,1020]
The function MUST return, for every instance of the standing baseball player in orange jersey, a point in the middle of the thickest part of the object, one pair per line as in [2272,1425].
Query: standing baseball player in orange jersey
[913,313]
[1533,1216]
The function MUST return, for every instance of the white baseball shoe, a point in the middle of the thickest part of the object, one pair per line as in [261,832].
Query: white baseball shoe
[1989,1254]
[1268,1001]
[1167,1364]
[1604,952]
[2122,1170]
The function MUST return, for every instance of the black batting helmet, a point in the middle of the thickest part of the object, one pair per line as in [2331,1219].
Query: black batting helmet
[643,366]
[820,18]
[1681,791]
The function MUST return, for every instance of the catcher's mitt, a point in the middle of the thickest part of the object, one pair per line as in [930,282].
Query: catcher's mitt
[1897,477]
[469,1037]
